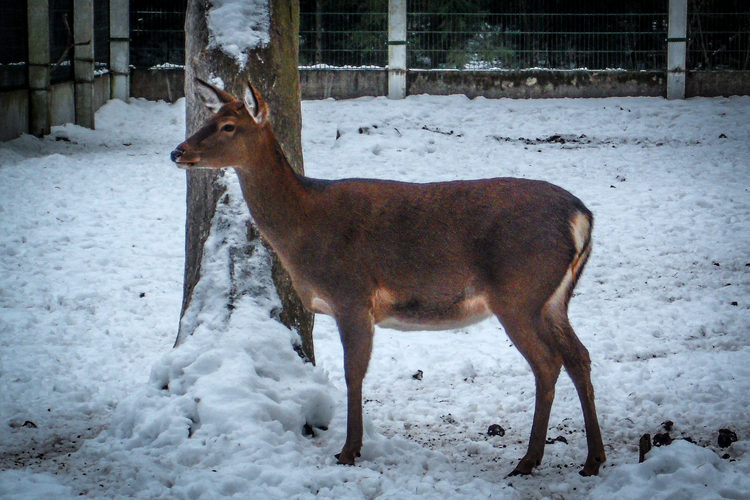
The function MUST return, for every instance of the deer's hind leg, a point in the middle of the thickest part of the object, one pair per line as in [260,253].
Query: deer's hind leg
[578,365]
[528,336]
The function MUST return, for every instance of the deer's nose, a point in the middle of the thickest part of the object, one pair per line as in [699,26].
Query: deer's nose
[175,155]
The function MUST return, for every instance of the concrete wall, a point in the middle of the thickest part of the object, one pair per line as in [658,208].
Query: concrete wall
[62,103]
[157,84]
[14,110]
[168,84]
[717,83]
[537,83]
[342,83]
[14,106]
[101,90]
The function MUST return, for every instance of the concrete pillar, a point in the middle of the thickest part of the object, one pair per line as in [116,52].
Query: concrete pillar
[83,61]
[676,49]
[396,49]
[37,16]
[119,49]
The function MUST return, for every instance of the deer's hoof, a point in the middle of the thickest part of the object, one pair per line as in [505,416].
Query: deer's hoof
[524,467]
[345,458]
[519,472]
[591,467]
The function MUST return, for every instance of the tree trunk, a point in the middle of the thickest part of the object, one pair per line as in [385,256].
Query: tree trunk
[273,70]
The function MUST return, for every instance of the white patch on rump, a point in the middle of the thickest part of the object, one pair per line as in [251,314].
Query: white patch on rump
[556,303]
[580,229]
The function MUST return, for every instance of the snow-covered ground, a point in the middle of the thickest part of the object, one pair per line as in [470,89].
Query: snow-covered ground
[95,401]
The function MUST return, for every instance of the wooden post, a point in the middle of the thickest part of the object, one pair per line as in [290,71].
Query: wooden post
[396,49]
[676,49]
[83,61]
[37,16]
[119,49]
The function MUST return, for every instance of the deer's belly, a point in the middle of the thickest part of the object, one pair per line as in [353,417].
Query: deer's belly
[416,314]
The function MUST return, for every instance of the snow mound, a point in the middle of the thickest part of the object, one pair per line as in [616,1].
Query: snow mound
[680,470]
[233,400]
[217,411]
[27,485]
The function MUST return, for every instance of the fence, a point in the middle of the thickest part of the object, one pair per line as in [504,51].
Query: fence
[536,40]
[61,40]
[346,33]
[329,38]
[101,36]
[354,34]
[13,57]
[719,41]
[505,40]
[478,41]
[157,33]
[60,60]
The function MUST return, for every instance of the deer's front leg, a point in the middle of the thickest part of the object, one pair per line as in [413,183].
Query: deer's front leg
[356,331]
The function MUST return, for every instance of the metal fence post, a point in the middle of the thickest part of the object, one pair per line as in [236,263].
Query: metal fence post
[396,49]
[119,48]
[83,61]
[676,49]
[39,66]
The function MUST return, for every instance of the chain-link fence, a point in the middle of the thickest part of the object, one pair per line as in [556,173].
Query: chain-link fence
[343,33]
[478,35]
[718,40]
[482,41]
[157,33]
[470,35]
[14,56]
[101,36]
[61,39]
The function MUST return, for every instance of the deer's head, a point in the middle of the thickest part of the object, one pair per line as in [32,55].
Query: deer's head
[230,136]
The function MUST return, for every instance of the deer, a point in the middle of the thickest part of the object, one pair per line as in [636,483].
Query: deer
[414,256]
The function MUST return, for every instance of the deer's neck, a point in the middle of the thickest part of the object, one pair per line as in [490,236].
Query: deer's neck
[272,190]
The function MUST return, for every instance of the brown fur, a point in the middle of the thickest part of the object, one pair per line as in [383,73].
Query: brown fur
[417,256]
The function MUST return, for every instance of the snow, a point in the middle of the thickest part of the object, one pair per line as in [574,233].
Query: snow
[238,26]
[95,400]
[681,470]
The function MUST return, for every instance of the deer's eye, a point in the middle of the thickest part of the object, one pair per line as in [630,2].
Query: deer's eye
[227,128]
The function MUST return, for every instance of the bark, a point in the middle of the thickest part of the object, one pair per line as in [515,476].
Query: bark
[273,70]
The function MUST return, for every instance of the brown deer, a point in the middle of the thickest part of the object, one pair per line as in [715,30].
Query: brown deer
[415,257]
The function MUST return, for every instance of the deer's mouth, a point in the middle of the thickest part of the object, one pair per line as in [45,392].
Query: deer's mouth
[183,159]
[185,165]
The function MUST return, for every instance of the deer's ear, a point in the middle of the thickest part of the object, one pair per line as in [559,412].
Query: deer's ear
[255,104]
[212,97]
